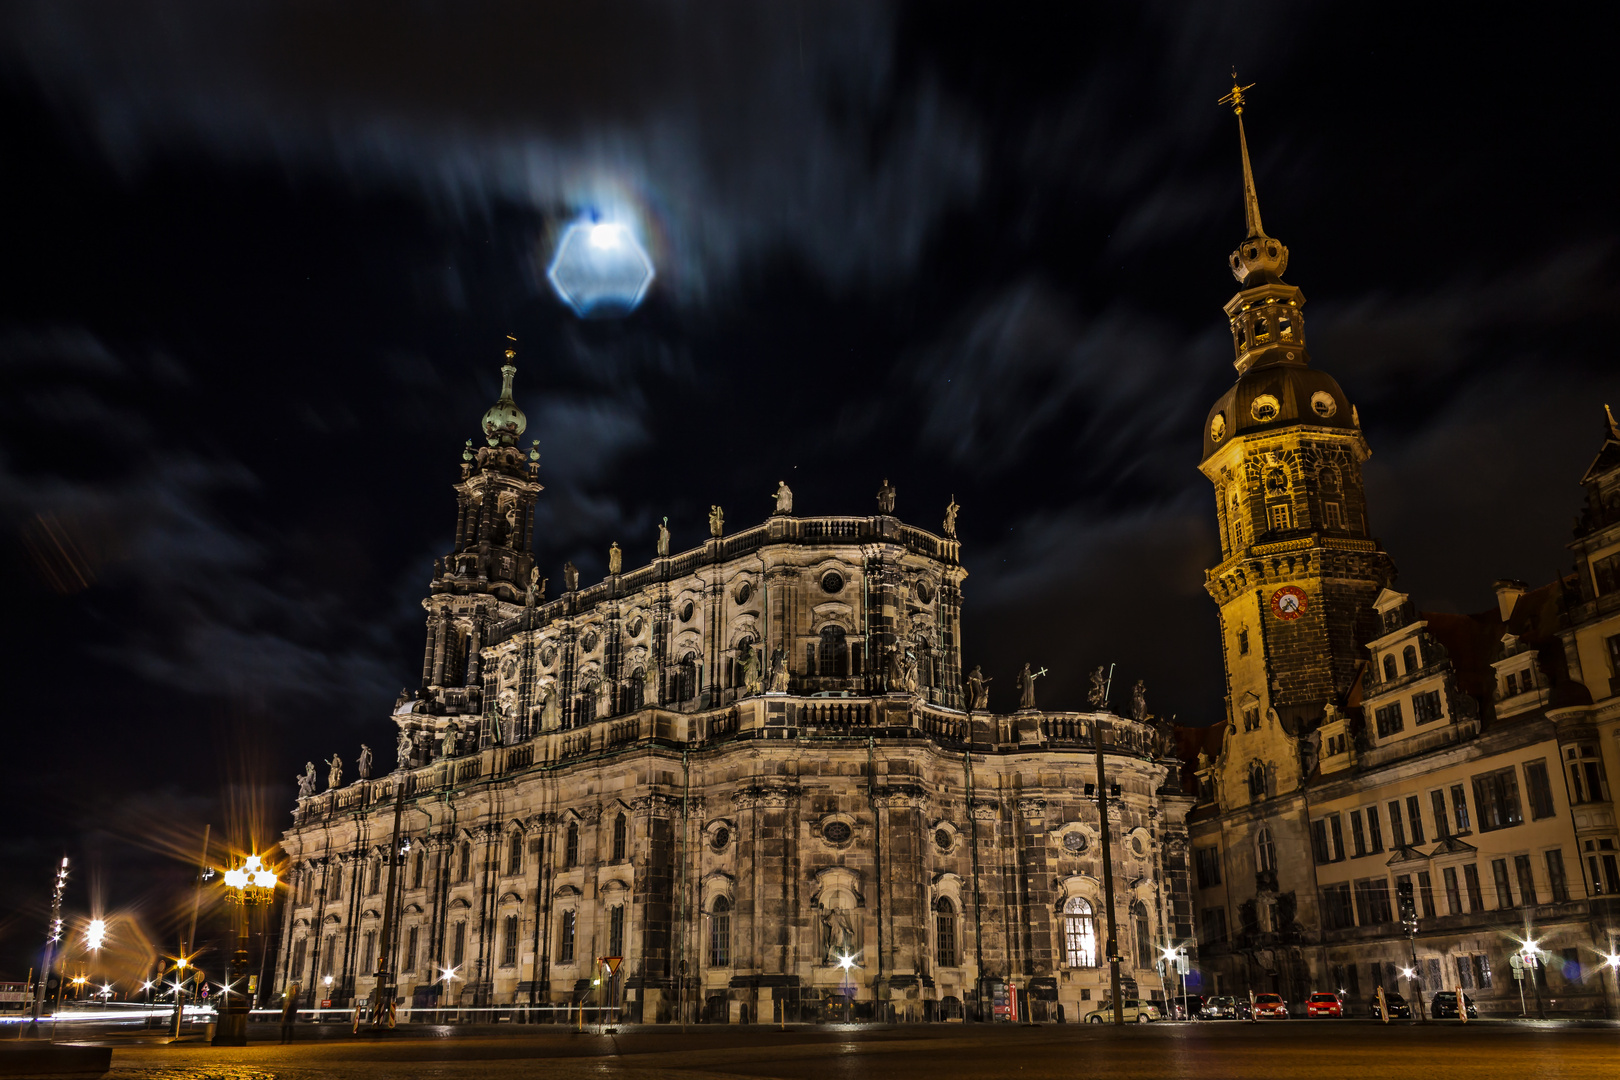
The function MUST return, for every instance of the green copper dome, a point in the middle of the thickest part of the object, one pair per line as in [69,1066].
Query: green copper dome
[504,422]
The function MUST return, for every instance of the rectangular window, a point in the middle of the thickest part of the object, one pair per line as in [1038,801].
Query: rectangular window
[616,930]
[1397,830]
[1504,890]
[1538,788]
[1375,833]
[1437,803]
[1613,642]
[1496,794]
[1277,516]
[1372,901]
[1476,899]
[1453,897]
[1555,876]
[1459,808]
[1389,720]
[1243,642]
[1214,925]
[297,973]
[509,942]
[408,961]
[1337,912]
[1319,840]
[1208,863]
[1358,835]
[1251,718]
[458,955]
[1333,515]
[1606,575]
[565,939]
[1527,880]
[1426,707]
[1336,836]
[1426,894]
[331,949]
[1482,971]
[368,953]
[1431,974]
[1465,972]
[1414,814]
[1352,983]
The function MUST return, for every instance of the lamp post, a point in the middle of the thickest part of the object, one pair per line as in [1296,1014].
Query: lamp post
[846,961]
[247,886]
[53,936]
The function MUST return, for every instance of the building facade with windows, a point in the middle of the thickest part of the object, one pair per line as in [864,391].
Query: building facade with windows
[749,769]
[1373,753]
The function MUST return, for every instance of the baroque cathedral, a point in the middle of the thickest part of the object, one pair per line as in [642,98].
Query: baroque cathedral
[1398,799]
[746,782]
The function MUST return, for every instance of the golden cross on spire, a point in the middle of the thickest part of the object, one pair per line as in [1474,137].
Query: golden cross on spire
[511,353]
[1235,98]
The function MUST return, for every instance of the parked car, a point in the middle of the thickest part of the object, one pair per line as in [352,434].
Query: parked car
[1324,1004]
[1226,1007]
[1398,1008]
[1136,1012]
[1189,1008]
[1270,1007]
[1445,1006]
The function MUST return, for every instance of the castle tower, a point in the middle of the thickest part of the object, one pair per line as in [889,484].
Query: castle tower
[1299,566]
[485,577]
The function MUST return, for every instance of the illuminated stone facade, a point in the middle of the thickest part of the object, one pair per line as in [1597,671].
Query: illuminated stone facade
[733,767]
[1370,749]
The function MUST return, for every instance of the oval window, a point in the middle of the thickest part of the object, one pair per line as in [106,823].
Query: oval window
[942,839]
[836,832]
[832,582]
[744,591]
[1323,405]
[1217,427]
[686,611]
[1074,842]
[1264,408]
[721,837]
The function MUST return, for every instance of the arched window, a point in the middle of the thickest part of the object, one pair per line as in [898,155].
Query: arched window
[509,942]
[621,837]
[686,688]
[418,868]
[585,705]
[514,854]
[633,691]
[1079,933]
[1409,658]
[1144,935]
[1257,781]
[944,932]
[464,871]
[1265,852]
[833,656]
[376,877]
[571,845]
[720,933]
[1389,667]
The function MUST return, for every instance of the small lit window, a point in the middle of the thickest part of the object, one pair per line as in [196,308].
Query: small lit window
[1332,515]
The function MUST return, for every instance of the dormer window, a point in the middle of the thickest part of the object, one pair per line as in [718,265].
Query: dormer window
[1409,659]
[1389,668]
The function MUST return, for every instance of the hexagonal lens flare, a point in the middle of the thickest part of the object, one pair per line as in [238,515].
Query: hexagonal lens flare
[600,269]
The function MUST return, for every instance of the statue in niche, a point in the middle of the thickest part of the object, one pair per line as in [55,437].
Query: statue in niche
[779,671]
[402,750]
[492,727]
[950,518]
[784,498]
[548,705]
[908,671]
[748,656]
[570,577]
[1203,761]
[885,497]
[334,772]
[892,674]
[511,519]
[837,935]
[1139,701]
[978,688]
[306,781]
[1098,695]
[663,538]
[450,737]
[615,559]
[717,521]
[362,765]
[533,593]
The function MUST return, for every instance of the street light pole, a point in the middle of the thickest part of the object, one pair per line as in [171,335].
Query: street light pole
[51,939]
[1098,729]
[246,886]
[384,991]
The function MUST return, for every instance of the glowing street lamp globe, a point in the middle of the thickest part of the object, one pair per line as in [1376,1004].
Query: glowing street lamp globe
[600,269]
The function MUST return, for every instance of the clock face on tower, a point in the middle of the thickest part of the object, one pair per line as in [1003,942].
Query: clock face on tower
[1289,602]
[1276,482]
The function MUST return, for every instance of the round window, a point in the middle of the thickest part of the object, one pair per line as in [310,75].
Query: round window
[1264,408]
[721,837]
[942,839]
[1138,845]
[744,591]
[588,640]
[1217,427]
[836,832]
[635,626]
[548,655]
[1074,842]
[1323,405]
[832,581]
[686,611]
[925,593]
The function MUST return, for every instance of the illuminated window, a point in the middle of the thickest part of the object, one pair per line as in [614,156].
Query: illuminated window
[1277,517]
[565,939]
[1079,933]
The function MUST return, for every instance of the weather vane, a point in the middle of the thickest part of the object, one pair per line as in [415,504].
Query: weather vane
[1235,98]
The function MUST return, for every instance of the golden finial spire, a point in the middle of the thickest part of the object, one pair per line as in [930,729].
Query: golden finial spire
[1251,201]
[511,353]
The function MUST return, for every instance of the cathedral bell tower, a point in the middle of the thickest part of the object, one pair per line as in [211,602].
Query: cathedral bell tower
[1299,567]
[485,577]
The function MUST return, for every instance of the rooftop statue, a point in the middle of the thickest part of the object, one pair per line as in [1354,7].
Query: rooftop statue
[784,498]
[717,521]
[615,559]
[1099,689]
[362,766]
[570,577]
[402,750]
[885,498]
[306,781]
[334,772]
[950,518]
[663,538]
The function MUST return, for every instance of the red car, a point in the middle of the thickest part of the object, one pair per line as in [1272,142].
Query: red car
[1323,1005]
[1270,1007]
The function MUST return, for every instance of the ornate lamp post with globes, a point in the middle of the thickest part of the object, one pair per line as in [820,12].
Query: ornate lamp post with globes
[247,886]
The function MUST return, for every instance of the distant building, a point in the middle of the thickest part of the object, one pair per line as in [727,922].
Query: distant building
[1372,752]
[739,768]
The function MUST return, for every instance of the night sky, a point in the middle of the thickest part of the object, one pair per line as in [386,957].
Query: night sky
[259,264]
